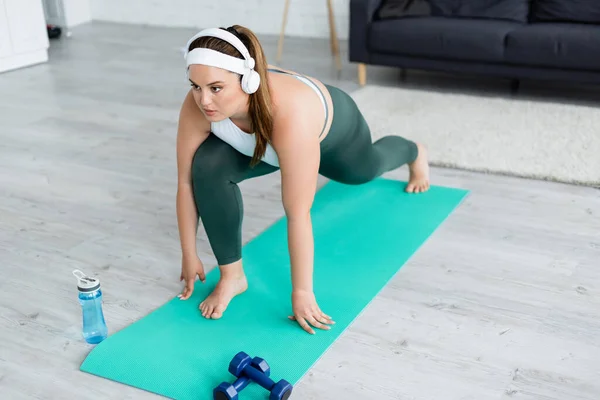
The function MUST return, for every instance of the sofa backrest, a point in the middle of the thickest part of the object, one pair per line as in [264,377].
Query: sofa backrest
[403,8]
[513,10]
[581,11]
[574,11]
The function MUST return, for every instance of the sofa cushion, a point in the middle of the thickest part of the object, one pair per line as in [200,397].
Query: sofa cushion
[557,45]
[566,10]
[477,39]
[403,8]
[513,10]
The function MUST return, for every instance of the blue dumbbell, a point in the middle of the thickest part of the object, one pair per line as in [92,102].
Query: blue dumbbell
[230,391]
[257,370]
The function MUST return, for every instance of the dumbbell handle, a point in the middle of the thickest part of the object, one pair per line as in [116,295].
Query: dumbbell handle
[258,376]
[240,383]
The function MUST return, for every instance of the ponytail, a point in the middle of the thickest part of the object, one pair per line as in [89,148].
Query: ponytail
[260,102]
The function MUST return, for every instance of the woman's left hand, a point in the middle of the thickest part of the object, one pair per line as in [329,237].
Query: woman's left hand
[307,312]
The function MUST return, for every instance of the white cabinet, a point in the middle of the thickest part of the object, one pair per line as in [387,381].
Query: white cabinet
[23,35]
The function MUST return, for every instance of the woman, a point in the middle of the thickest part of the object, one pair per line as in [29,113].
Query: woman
[241,120]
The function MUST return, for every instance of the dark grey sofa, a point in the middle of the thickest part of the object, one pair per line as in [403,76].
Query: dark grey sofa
[515,39]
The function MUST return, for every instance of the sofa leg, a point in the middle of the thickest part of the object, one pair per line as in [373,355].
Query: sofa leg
[362,74]
[514,86]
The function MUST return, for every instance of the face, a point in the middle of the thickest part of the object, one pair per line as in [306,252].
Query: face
[217,92]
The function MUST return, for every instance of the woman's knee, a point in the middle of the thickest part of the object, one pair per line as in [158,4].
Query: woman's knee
[213,160]
[361,175]
[351,173]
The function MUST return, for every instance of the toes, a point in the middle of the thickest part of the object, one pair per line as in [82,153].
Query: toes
[205,310]
[210,311]
[217,312]
[417,187]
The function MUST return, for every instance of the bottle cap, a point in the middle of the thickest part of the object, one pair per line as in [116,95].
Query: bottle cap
[86,283]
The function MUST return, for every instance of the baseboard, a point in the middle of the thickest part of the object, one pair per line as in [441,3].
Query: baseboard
[16,61]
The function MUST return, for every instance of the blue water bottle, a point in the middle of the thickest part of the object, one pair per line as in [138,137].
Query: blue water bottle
[90,298]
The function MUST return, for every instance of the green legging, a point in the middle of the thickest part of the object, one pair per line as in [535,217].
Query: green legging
[348,155]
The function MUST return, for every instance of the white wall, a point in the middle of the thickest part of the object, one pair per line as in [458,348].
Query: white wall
[77,11]
[67,13]
[307,18]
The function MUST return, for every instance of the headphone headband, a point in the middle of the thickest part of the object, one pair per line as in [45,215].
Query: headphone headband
[245,67]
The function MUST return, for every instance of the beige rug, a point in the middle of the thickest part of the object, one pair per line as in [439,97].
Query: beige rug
[534,139]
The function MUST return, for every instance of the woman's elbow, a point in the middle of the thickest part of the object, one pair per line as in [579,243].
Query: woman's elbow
[298,214]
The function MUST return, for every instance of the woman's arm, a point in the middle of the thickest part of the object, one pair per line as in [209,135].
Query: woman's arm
[297,145]
[299,158]
[192,130]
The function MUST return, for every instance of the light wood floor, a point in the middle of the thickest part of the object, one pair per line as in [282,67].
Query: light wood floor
[501,303]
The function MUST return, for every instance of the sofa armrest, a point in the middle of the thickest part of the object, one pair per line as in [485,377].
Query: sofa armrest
[362,13]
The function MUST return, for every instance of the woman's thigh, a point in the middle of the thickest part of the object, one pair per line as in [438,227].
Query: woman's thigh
[216,160]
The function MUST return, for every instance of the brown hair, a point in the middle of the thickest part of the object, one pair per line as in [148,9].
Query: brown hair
[260,102]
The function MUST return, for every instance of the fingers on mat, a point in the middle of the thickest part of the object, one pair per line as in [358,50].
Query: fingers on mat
[317,324]
[305,325]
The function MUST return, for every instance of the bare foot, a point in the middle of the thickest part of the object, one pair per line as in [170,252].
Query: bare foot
[232,282]
[419,172]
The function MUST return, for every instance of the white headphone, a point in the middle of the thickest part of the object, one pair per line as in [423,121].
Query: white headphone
[245,67]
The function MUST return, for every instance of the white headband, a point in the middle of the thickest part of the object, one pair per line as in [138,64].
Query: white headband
[218,59]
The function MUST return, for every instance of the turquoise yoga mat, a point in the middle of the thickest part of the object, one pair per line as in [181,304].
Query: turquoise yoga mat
[363,235]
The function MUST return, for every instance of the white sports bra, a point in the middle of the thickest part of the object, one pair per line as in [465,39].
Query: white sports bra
[244,142]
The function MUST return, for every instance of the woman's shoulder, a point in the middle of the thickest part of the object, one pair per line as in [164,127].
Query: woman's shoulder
[289,93]
[297,111]
[294,101]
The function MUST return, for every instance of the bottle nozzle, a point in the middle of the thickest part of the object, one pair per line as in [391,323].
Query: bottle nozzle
[86,283]
[78,274]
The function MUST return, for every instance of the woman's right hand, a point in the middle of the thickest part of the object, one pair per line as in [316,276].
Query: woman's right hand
[190,268]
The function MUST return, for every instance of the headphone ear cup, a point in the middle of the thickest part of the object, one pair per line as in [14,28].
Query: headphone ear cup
[250,82]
